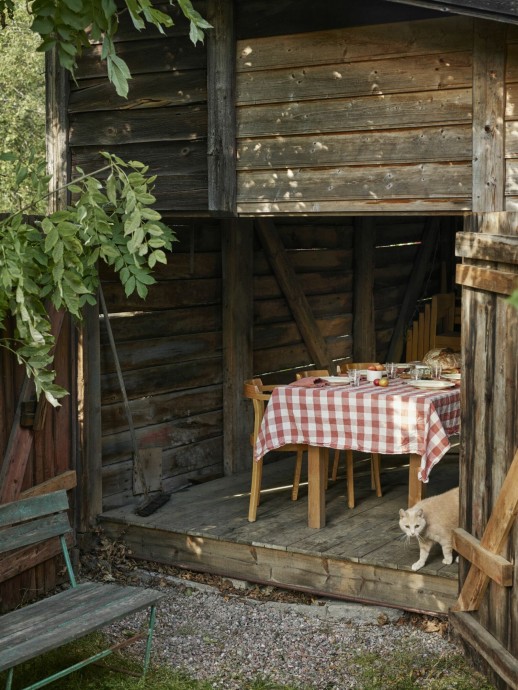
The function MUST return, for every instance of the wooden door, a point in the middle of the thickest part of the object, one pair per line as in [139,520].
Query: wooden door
[486,616]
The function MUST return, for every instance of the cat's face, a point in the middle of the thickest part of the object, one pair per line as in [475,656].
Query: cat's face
[412,522]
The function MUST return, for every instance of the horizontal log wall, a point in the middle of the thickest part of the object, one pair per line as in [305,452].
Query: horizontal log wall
[163,122]
[321,254]
[170,354]
[364,119]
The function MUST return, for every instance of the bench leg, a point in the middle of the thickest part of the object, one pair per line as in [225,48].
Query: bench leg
[9,681]
[151,627]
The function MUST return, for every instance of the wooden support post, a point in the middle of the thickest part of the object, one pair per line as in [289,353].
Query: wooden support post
[364,334]
[238,302]
[89,393]
[297,301]
[489,52]
[56,83]
[221,147]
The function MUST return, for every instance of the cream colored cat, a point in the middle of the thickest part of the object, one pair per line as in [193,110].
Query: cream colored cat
[432,520]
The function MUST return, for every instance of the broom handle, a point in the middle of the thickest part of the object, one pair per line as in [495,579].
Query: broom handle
[136,457]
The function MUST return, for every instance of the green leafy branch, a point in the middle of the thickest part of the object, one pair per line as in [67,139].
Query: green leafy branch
[70,25]
[55,260]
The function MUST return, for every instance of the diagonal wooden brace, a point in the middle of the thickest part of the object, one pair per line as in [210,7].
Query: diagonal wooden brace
[493,540]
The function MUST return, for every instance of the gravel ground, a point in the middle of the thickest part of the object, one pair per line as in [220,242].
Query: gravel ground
[220,632]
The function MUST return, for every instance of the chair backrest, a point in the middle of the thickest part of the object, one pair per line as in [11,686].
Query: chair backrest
[311,372]
[31,521]
[357,365]
[259,394]
[442,318]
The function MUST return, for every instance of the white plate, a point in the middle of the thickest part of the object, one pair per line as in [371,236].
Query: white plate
[431,385]
[452,377]
[335,380]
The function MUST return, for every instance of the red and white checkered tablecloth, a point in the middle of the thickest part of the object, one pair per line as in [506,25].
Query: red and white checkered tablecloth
[395,420]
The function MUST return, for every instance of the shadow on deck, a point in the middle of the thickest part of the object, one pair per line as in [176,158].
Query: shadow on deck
[359,555]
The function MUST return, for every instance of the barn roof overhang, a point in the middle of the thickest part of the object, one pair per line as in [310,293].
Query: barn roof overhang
[498,10]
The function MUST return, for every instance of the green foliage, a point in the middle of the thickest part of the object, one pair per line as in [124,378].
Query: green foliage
[22,107]
[70,25]
[513,299]
[56,259]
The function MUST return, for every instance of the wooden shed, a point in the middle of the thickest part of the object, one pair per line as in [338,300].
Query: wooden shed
[326,170]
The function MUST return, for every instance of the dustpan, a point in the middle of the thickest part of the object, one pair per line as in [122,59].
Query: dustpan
[147,463]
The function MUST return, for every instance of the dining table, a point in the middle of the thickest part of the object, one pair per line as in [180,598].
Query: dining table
[400,418]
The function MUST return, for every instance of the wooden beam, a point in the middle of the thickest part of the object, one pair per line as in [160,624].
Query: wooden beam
[486,247]
[496,567]
[65,480]
[293,293]
[238,310]
[57,89]
[486,646]
[221,148]
[492,280]
[364,334]
[489,53]
[415,288]
[494,538]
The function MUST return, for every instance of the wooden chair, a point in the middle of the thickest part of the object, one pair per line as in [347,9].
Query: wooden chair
[259,394]
[442,322]
[418,341]
[375,457]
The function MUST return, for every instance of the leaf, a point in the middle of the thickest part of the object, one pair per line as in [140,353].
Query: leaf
[118,74]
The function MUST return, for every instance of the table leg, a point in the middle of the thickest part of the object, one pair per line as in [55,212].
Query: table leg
[316,487]
[415,486]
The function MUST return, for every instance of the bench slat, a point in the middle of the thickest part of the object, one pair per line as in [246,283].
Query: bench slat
[35,629]
[33,507]
[28,533]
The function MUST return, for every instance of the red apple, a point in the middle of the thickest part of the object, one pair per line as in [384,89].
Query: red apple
[376,382]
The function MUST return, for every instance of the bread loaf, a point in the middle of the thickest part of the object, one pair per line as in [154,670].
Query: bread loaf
[443,356]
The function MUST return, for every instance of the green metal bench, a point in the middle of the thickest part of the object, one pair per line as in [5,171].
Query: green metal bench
[69,615]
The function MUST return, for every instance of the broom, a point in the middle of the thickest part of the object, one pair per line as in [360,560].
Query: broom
[149,503]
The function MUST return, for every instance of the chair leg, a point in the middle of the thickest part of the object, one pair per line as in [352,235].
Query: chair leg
[375,469]
[336,461]
[296,476]
[255,490]
[350,478]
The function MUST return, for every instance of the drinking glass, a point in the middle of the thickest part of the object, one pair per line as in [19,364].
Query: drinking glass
[416,373]
[436,371]
[391,368]
[355,377]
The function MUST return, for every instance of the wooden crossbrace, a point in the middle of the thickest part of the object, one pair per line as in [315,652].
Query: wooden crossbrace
[486,555]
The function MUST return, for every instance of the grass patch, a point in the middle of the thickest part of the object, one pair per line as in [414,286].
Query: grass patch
[111,674]
[407,671]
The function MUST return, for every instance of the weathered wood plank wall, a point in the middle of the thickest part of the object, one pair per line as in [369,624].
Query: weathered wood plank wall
[52,453]
[511,120]
[163,122]
[170,351]
[364,119]
[489,409]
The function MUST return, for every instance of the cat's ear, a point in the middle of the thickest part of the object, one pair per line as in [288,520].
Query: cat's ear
[401,513]
[420,512]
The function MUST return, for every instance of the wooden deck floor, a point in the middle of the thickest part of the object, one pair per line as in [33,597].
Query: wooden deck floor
[359,555]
